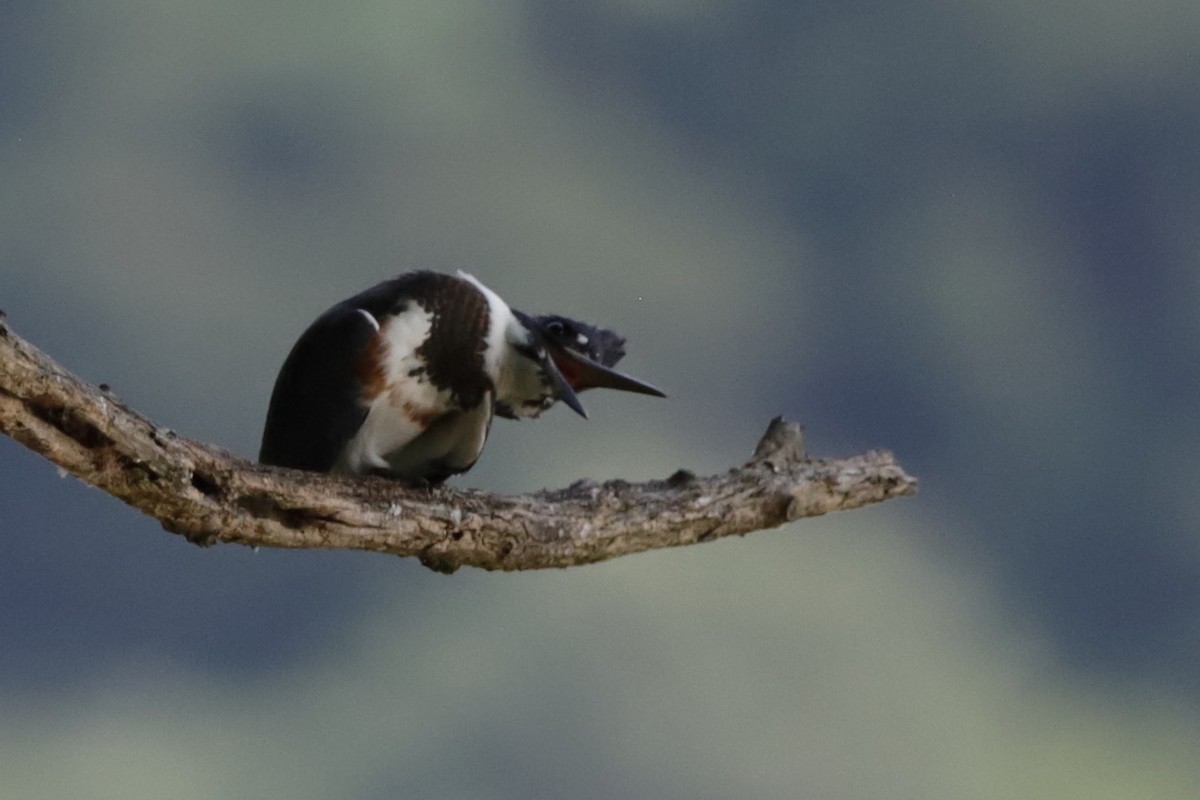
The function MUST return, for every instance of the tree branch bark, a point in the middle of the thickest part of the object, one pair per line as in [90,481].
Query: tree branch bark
[210,495]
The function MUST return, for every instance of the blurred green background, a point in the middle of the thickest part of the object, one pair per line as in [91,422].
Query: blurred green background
[968,232]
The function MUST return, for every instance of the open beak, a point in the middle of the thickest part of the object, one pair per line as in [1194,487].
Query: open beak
[573,373]
[563,388]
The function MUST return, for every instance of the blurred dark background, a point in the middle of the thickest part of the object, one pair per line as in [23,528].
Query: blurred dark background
[966,232]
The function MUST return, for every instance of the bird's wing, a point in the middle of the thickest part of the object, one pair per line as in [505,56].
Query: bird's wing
[317,404]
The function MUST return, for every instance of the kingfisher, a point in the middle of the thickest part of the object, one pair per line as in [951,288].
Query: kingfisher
[403,380]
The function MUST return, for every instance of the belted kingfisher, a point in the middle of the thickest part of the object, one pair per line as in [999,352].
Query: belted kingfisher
[403,379]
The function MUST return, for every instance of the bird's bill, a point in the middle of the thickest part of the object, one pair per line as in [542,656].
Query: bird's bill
[582,373]
[563,388]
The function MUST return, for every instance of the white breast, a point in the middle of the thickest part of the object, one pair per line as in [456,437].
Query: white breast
[408,405]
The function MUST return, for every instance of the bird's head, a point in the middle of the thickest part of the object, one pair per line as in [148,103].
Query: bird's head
[557,358]
[590,341]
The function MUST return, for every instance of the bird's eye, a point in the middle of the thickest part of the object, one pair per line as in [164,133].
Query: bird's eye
[556,327]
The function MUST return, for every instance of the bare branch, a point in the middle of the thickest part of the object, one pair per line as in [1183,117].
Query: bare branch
[211,496]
